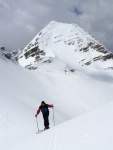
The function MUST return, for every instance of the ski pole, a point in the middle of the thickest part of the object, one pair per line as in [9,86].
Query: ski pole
[37,124]
[53,117]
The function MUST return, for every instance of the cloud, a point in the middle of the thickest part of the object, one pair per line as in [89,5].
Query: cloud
[21,20]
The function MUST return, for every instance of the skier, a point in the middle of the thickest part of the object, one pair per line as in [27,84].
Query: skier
[45,112]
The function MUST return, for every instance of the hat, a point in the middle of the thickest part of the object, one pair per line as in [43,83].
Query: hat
[43,102]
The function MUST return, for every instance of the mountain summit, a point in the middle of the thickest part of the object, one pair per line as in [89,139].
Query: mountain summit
[65,47]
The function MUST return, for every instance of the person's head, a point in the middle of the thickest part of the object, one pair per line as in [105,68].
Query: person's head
[43,103]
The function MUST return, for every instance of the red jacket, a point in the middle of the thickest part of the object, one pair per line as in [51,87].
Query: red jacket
[48,105]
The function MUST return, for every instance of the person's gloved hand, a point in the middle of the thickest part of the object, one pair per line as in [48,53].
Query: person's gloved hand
[52,105]
[35,115]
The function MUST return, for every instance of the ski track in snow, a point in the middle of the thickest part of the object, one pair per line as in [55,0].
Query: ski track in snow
[52,145]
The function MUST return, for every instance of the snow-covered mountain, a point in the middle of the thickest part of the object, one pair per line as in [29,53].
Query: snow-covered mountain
[67,46]
[83,105]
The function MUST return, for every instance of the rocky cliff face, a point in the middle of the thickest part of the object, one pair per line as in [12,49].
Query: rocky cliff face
[68,43]
[10,55]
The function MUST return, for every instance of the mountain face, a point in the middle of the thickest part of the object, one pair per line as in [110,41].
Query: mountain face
[67,46]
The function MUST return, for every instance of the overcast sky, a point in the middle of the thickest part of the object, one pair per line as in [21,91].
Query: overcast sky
[20,21]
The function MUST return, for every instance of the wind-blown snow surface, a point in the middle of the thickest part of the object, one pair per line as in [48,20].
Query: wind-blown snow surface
[21,92]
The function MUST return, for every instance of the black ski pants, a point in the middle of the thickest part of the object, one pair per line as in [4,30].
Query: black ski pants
[46,120]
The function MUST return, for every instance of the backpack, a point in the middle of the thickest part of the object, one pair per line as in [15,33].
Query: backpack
[44,109]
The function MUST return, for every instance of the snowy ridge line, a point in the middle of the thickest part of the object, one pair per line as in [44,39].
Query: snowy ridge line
[63,73]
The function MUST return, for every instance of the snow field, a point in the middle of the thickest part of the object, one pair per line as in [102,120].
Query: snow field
[21,92]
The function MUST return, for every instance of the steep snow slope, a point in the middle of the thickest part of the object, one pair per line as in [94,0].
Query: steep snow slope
[68,44]
[92,131]
[21,92]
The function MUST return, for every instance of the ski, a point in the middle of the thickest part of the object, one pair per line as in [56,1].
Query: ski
[40,131]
